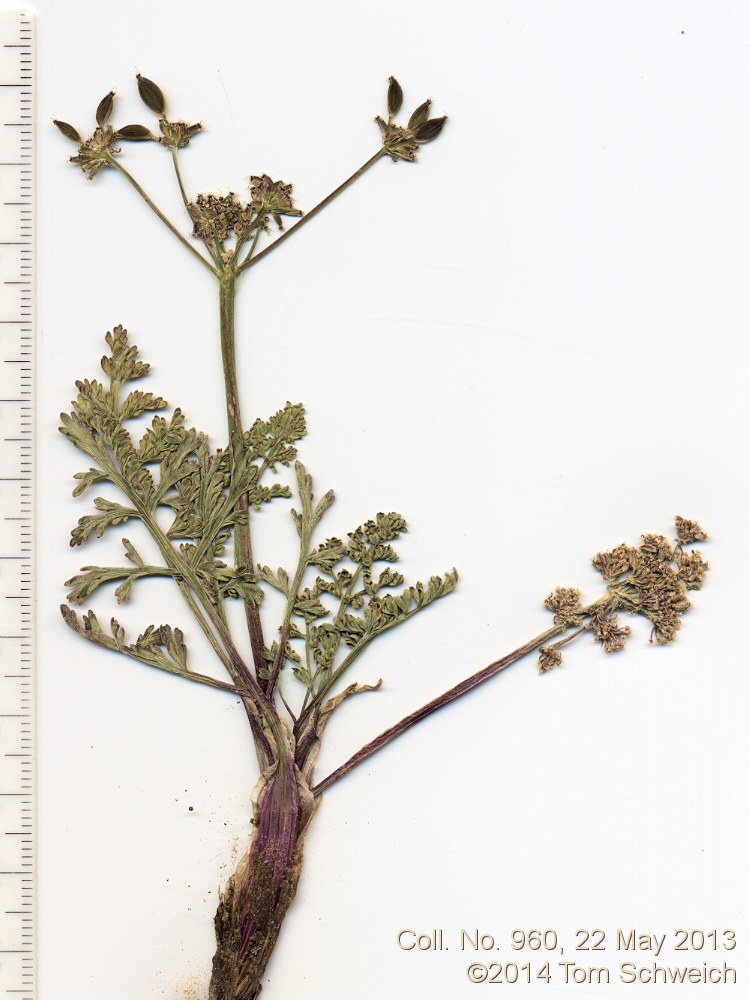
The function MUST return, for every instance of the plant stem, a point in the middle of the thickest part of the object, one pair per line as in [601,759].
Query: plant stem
[572,636]
[243,240]
[242,539]
[304,555]
[249,260]
[460,689]
[257,896]
[157,211]
[190,675]
[178,175]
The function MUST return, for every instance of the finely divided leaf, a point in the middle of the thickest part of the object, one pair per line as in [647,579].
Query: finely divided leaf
[327,555]
[279,580]
[264,494]
[136,403]
[364,611]
[162,437]
[308,606]
[86,479]
[271,440]
[121,365]
[367,544]
[108,513]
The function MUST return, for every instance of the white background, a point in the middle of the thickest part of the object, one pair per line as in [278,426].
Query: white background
[532,343]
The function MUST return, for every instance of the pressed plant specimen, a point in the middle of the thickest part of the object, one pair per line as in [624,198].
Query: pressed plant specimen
[197,503]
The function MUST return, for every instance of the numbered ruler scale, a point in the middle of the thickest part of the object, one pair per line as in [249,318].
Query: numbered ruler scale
[17,832]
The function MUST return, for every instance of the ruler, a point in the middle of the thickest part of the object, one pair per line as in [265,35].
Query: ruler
[17,744]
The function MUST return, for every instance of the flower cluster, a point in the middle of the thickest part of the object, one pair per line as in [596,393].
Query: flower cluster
[96,151]
[271,198]
[174,134]
[650,580]
[566,604]
[612,564]
[655,577]
[607,630]
[549,658]
[688,531]
[691,569]
[217,216]
[177,134]
[402,142]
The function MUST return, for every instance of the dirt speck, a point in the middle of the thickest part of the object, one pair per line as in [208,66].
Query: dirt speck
[193,988]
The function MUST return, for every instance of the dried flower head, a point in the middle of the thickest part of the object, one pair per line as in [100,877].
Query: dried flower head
[607,630]
[653,589]
[692,569]
[615,563]
[651,580]
[271,198]
[566,603]
[96,152]
[177,134]
[402,142]
[217,216]
[398,142]
[688,531]
[657,546]
[549,658]
[656,585]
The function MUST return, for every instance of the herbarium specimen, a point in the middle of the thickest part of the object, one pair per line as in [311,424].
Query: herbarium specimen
[197,503]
